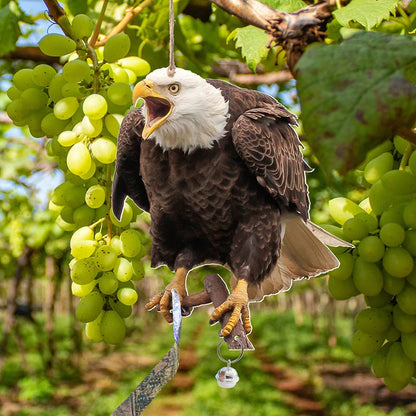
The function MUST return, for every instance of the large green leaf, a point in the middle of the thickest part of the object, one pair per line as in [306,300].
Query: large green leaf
[9,30]
[368,13]
[285,5]
[355,95]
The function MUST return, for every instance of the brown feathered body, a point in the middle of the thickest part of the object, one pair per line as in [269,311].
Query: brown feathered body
[231,204]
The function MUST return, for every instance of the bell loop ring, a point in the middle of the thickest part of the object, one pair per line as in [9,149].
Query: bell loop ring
[230,361]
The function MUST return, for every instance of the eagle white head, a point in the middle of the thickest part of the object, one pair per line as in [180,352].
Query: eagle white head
[182,111]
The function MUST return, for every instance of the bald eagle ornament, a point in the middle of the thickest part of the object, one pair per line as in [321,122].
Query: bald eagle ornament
[220,171]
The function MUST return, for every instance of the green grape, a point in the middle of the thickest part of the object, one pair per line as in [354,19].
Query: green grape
[90,173]
[93,329]
[34,122]
[127,296]
[371,249]
[52,126]
[54,208]
[392,234]
[83,233]
[34,98]
[400,144]
[79,159]
[68,138]
[55,88]
[411,278]
[399,366]
[404,322]
[116,47]
[113,123]
[95,106]
[17,110]
[130,243]
[373,320]
[95,196]
[398,262]
[409,345]
[113,327]
[377,167]
[367,277]
[132,76]
[43,74]
[83,249]
[72,89]
[378,365]
[377,301]
[393,384]
[123,269]
[406,299]
[74,196]
[67,214]
[65,108]
[56,45]
[84,271]
[89,307]
[393,214]
[370,220]
[399,182]
[379,198]
[119,74]
[108,283]
[364,344]
[90,127]
[123,310]
[138,269]
[104,150]
[13,93]
[120,94]
[76,70]
[105,258]
[138,65]
[342,289]
[115,244]
[81,26]
[23,79]
[345,268]
[341,209]
[100,213]
[392,334]
[126,216]
[82,290]
[355,229]
[83,215]
[412,162]
[64,225]
[409,213]
[57,149]
[392,285]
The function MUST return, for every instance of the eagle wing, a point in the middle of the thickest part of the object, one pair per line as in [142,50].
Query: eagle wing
[265,140]
[127,179]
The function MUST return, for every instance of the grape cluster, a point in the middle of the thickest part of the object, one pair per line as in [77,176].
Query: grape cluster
[80,110]
[382,228]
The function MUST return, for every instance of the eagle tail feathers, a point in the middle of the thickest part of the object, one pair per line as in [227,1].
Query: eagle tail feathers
[303,254]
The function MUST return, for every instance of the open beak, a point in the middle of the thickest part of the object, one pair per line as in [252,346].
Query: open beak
[158,107]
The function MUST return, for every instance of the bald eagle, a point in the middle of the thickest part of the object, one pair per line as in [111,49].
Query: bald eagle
[220,171]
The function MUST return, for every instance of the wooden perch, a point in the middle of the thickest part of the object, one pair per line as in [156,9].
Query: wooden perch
[216,292]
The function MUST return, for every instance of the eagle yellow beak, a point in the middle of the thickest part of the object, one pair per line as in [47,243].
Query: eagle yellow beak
[158,107]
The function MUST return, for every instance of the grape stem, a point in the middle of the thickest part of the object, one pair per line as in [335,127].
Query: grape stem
[94,36]
[131,13]
[406,156]
[92,226]
[96,66]
[108,202]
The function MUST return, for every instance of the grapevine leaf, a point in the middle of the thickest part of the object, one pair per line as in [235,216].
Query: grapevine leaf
[285,5]
[368,13]
[9,30]
[355,95]
[77,6]
[252,42]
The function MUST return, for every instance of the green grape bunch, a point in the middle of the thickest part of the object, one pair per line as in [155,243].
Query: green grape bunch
[80,109]
[382,266]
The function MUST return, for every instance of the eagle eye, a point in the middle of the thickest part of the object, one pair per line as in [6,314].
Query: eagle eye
[174,88]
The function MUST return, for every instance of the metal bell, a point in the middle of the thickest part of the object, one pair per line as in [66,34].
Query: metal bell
[227,377]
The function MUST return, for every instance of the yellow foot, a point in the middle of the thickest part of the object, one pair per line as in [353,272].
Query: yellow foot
[163,301]
[237,301]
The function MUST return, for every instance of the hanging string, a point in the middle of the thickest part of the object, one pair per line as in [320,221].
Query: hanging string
[172,67]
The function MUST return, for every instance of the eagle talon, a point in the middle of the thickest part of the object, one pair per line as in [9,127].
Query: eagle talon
[237,302]
[163,300]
